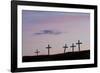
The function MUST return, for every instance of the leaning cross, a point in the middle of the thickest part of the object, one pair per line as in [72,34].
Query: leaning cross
[37,52]
[65,48]
[73,47]
[79,43]
[48,49]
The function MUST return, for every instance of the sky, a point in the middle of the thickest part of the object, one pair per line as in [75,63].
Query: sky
[40,28]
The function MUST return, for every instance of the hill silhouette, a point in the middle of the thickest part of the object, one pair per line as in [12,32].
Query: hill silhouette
[64,56]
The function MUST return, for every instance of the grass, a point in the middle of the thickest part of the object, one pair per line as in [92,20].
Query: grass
[67,56]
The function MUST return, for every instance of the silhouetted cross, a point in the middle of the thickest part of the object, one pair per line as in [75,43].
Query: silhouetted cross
[37,52]
[79,43]
[65,48]
[48,49]
[73,47]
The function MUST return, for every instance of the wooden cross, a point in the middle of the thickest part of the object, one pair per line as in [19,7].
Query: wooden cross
[79,43]
[72,47]
[48,47]
[65,48]
[37,52]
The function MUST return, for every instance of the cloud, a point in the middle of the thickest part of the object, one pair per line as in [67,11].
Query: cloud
[50,32]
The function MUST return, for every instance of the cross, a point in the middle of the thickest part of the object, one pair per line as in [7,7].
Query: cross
[79,43]
[73,47]
[65,48]
[37,52]
[48,49]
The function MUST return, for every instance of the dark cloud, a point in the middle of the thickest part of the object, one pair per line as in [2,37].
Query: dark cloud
[51,32]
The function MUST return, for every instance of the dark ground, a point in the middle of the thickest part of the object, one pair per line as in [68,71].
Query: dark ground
[66,56]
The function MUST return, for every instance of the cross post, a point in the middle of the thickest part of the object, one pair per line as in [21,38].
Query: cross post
[48,47]
[37,52]
[65,48]
[72,47]
[79,43]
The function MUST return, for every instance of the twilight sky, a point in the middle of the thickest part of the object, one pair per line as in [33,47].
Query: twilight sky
[40,28]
